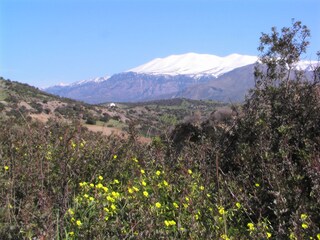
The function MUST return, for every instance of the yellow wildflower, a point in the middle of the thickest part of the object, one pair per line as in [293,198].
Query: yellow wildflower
[130,190]
[116,181]
[304,225]
[303,216]
[144,183]
[70,211]
[168,223]
[158,173]
[221,210]
[99,185]
[318,236]
[91,199]
[86,195]
[110,199]
[190,171]
[100,178]
[257,185]
[71,233]
[158,205]
[115,156]
[79,223]
[201,188]
[142,171]
[172,222]
[91,185]
[225,237]
[165,183]
[238,205]
[251,226]
[269,235]
[113,207]
[175,205]
[105,189]
[135,189]
[6,168]
[145,193]
[115,194]
[292,236]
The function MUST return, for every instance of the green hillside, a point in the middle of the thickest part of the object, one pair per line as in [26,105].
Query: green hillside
[149,118]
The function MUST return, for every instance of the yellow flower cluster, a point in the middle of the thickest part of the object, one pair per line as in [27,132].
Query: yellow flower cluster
[304,224]
[169,223]
[221,210]
[79,223]
[145,193]
[225,237]
[251,227]
[158,205]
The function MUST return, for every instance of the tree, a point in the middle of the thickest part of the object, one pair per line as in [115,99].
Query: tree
[279,53]
[276,141]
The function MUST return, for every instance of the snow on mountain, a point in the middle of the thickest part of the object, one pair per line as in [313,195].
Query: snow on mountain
[194,64]
[93,80]
[306,65]
[78,83]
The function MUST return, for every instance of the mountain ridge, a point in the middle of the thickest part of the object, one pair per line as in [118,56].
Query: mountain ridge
[186,75]
[194,64]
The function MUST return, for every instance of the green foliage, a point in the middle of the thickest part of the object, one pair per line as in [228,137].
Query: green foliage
[62,180]
[280,52]
[250,173]
[276,142]
[169,119]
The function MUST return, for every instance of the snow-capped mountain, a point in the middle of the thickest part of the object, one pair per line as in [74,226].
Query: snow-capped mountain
[191,75]
[93,80]
[194,64]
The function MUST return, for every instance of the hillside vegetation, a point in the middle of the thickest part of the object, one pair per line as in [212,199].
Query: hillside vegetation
[241,172]
[150,119]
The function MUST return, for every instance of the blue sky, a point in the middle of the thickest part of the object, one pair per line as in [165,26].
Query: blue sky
[45,42]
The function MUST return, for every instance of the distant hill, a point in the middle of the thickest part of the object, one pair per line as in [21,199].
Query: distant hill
[24,102]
